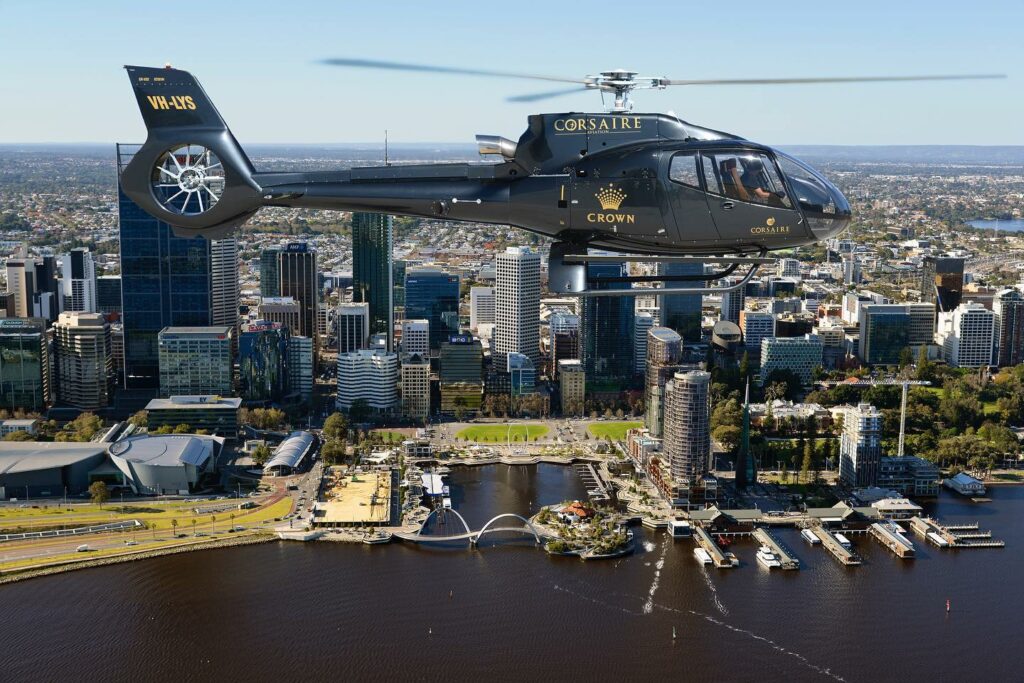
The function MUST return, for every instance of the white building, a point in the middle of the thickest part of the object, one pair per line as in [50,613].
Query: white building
[517,304]
[371,376]
[687,433]
[85,364]
[481,306]
[642,324]
[300,366]
[860,449]
[968,335]
[755,326]
[800,355]
[789,267]
[353,327]
[416,386]
[416,336]
[78,281]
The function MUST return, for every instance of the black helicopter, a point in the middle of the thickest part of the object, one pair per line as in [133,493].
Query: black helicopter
[644,184]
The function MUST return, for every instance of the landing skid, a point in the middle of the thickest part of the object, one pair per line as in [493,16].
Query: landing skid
[567,273]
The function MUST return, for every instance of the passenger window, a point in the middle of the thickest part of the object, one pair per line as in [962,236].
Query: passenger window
[683,170]
[748,177]
[710,181]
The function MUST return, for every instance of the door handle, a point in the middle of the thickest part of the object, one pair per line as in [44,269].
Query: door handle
[727,205]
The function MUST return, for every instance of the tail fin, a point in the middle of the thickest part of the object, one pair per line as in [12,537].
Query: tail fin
[191,172]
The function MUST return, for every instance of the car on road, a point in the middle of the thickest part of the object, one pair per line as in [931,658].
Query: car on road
[84,548]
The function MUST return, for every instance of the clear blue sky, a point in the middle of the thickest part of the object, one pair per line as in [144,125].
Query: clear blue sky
[61,78]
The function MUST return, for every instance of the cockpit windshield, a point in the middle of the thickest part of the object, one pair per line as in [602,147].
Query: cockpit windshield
[747,176]
[824,206]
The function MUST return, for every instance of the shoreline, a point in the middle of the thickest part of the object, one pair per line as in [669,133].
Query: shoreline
[16,575]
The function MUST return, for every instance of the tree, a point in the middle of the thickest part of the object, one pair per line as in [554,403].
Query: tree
[183,429]
[906,357]
[162,429]
[808,461]
[359,411]
[727,435]
[18,435]
[261,454]
[333,452]
[213,523]
[174,528]
[99,493]
[745,366]
[336,427]
[193,526]
[139,419]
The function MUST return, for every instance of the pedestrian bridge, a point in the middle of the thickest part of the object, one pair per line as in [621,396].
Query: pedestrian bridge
[468,534]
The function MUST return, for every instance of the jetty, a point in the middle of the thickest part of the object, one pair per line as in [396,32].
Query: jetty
[720,558]
[788,560]
[953,535]
[838,550]
[891,536]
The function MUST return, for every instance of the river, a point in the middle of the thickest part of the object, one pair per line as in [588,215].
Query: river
[1013,225]
[507,611]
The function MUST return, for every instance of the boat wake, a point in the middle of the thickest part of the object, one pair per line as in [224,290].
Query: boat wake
[649,605]
[714,591]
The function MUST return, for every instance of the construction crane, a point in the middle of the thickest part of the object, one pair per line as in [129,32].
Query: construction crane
[886,382]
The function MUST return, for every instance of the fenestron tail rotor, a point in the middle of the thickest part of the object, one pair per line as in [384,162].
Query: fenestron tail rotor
[188,180]
[621,82]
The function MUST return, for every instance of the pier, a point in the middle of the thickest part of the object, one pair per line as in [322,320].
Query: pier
[891,537]
[596,488]
[845,556]
[953,535]
[787,558]
[722,560]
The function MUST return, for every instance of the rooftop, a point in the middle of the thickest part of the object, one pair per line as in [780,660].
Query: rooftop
[30,456]
[168,450]
[194,402]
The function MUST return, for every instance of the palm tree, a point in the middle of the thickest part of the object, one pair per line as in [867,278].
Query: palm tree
[213,522]
[193,526]
[174,528]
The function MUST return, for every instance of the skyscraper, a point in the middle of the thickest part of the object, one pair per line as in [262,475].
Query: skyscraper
[461,375]
[799,355]
[942,281]
[732,304]
[24,364]
[21,286]
[642,324]
[224,290]
[860,448]
[433,295]
[481,306]
[517,305]
[664,353]
[270,272]
[196,361]
[968,336]
[281,309]
[372,278]
[606,328]
[563,337]
[369,376]
[1008,306]
[165,282]
[687,443]
[78,281]
[108,294]
[353,327]
[299,366]
[415,386]
[572,381]
[887,329]
[262,358]
[416,337]
[85,366]
[522,374]
[682,312]
[299,280]
[756,325]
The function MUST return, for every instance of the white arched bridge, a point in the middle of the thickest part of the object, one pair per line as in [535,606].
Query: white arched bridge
[468,534]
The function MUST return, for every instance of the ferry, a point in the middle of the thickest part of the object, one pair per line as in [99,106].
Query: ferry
[844,541]
[809,536]
[679,528]
[732,560]
[702,555]
[377,538]
[767,558]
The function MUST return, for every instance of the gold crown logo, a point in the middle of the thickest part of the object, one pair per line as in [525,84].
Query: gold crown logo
[770,222]
[610,198]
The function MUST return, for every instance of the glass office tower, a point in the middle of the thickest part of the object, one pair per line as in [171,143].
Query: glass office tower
[270,272]
[24,364]
[262,359]
[165,281]
[372,280]
[682,312]
[606,347]
[432,294]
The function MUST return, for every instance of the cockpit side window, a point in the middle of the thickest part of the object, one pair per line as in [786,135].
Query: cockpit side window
[683,170]
[747,177]
[812,190]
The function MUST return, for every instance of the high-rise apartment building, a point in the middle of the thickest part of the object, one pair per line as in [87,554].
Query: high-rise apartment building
[642,324]
[165,282]
[353,327]
[196,361]
[433,295]
[756,326]
[969,336]
[481,306]
[1008,307]
[372,276]
[860,448]
[78,281]
[687,433]
[368,376]
[664,353]
[85,366]
[732,303]
[517,305]
[415,374]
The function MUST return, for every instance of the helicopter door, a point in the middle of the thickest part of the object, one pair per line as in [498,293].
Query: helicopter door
[748,199]
[689,203]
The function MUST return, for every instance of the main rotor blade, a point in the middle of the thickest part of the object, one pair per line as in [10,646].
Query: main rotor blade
[840,79]
[427,68]
[538,96]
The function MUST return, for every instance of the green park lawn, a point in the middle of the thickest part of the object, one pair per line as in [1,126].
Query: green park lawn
[390,436]
[614,430]
[988,407]
[501,433]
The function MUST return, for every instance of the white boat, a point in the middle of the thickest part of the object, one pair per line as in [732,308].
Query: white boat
[702,555]
[679,528]
[844,541]
[809,536]
[768,559]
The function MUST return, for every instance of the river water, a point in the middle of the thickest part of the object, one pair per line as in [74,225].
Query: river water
[506,611]
[1013,225]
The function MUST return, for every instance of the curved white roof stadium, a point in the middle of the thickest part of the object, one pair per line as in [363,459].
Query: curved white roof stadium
[291,451]
[158,464]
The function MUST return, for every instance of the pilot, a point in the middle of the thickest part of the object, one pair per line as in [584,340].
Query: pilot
[755,180]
